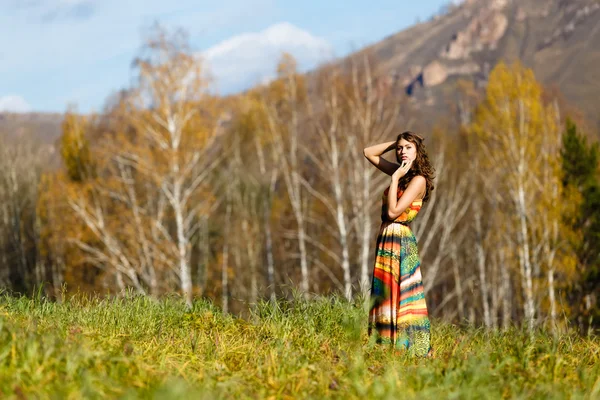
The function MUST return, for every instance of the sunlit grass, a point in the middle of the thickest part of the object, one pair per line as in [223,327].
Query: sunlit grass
[136,347]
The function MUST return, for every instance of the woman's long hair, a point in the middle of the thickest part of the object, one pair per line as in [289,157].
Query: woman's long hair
[420,166]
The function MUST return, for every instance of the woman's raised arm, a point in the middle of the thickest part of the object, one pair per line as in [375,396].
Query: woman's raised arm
[373,153]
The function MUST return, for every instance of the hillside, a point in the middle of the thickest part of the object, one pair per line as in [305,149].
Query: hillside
[43,128]
[558,39]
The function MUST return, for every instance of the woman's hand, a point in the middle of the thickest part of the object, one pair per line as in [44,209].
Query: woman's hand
[402,170]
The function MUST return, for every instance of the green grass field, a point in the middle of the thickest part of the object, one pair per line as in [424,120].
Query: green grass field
[137,347]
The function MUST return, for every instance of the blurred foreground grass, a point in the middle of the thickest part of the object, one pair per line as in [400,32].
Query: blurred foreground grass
[136,347]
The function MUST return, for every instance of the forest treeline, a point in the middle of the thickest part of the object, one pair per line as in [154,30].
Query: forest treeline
[174,189]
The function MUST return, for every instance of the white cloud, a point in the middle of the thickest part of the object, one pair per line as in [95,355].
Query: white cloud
[250,58]
[12,103]
[81,50]
[61,46]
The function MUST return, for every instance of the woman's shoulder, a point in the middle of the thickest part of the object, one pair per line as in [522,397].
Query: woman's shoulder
[418,179]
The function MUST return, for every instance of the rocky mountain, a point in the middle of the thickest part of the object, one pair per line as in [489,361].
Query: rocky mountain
[558,39]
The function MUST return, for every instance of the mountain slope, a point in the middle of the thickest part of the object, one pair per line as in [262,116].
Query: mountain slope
[42,128]
[558,39]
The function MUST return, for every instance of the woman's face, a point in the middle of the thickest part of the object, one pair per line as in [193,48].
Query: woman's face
[406,151]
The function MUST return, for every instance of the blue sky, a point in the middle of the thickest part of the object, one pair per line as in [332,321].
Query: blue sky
[59,52]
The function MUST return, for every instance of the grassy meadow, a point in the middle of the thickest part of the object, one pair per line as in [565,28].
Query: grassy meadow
[137,347]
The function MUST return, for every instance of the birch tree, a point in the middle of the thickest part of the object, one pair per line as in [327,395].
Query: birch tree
[256,166]
[283,107]
[173,106]
[20,170]
[373,112]
[330,154]
[511,125]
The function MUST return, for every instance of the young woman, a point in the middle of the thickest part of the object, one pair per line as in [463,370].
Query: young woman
[398,313]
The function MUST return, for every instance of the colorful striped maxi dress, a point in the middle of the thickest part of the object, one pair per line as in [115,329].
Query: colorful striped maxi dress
[398,313]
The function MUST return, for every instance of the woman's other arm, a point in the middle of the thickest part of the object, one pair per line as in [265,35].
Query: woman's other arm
[396,206]
[373,153]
